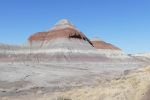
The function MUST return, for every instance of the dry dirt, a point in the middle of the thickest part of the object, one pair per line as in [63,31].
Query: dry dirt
[95,81]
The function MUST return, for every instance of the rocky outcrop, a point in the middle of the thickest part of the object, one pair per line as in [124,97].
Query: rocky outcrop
[64,42]
[63,29]
[99,44]
[108,49]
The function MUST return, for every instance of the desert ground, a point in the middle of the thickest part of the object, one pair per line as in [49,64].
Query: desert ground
[86,81]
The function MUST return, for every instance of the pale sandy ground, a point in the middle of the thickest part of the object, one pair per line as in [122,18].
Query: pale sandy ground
[130,87]
[133,86]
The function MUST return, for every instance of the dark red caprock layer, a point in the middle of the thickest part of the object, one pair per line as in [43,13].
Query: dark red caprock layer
[54,34]
[104,45]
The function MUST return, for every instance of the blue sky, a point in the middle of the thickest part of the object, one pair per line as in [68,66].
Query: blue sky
[125,23]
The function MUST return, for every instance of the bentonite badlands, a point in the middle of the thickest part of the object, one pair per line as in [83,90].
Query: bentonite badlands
[63,64]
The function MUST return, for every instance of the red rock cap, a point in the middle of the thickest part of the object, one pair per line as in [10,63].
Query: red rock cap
[99,44]
[63,29]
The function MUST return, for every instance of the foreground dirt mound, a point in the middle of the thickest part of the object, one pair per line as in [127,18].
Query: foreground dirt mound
[134,86]
[131,85]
